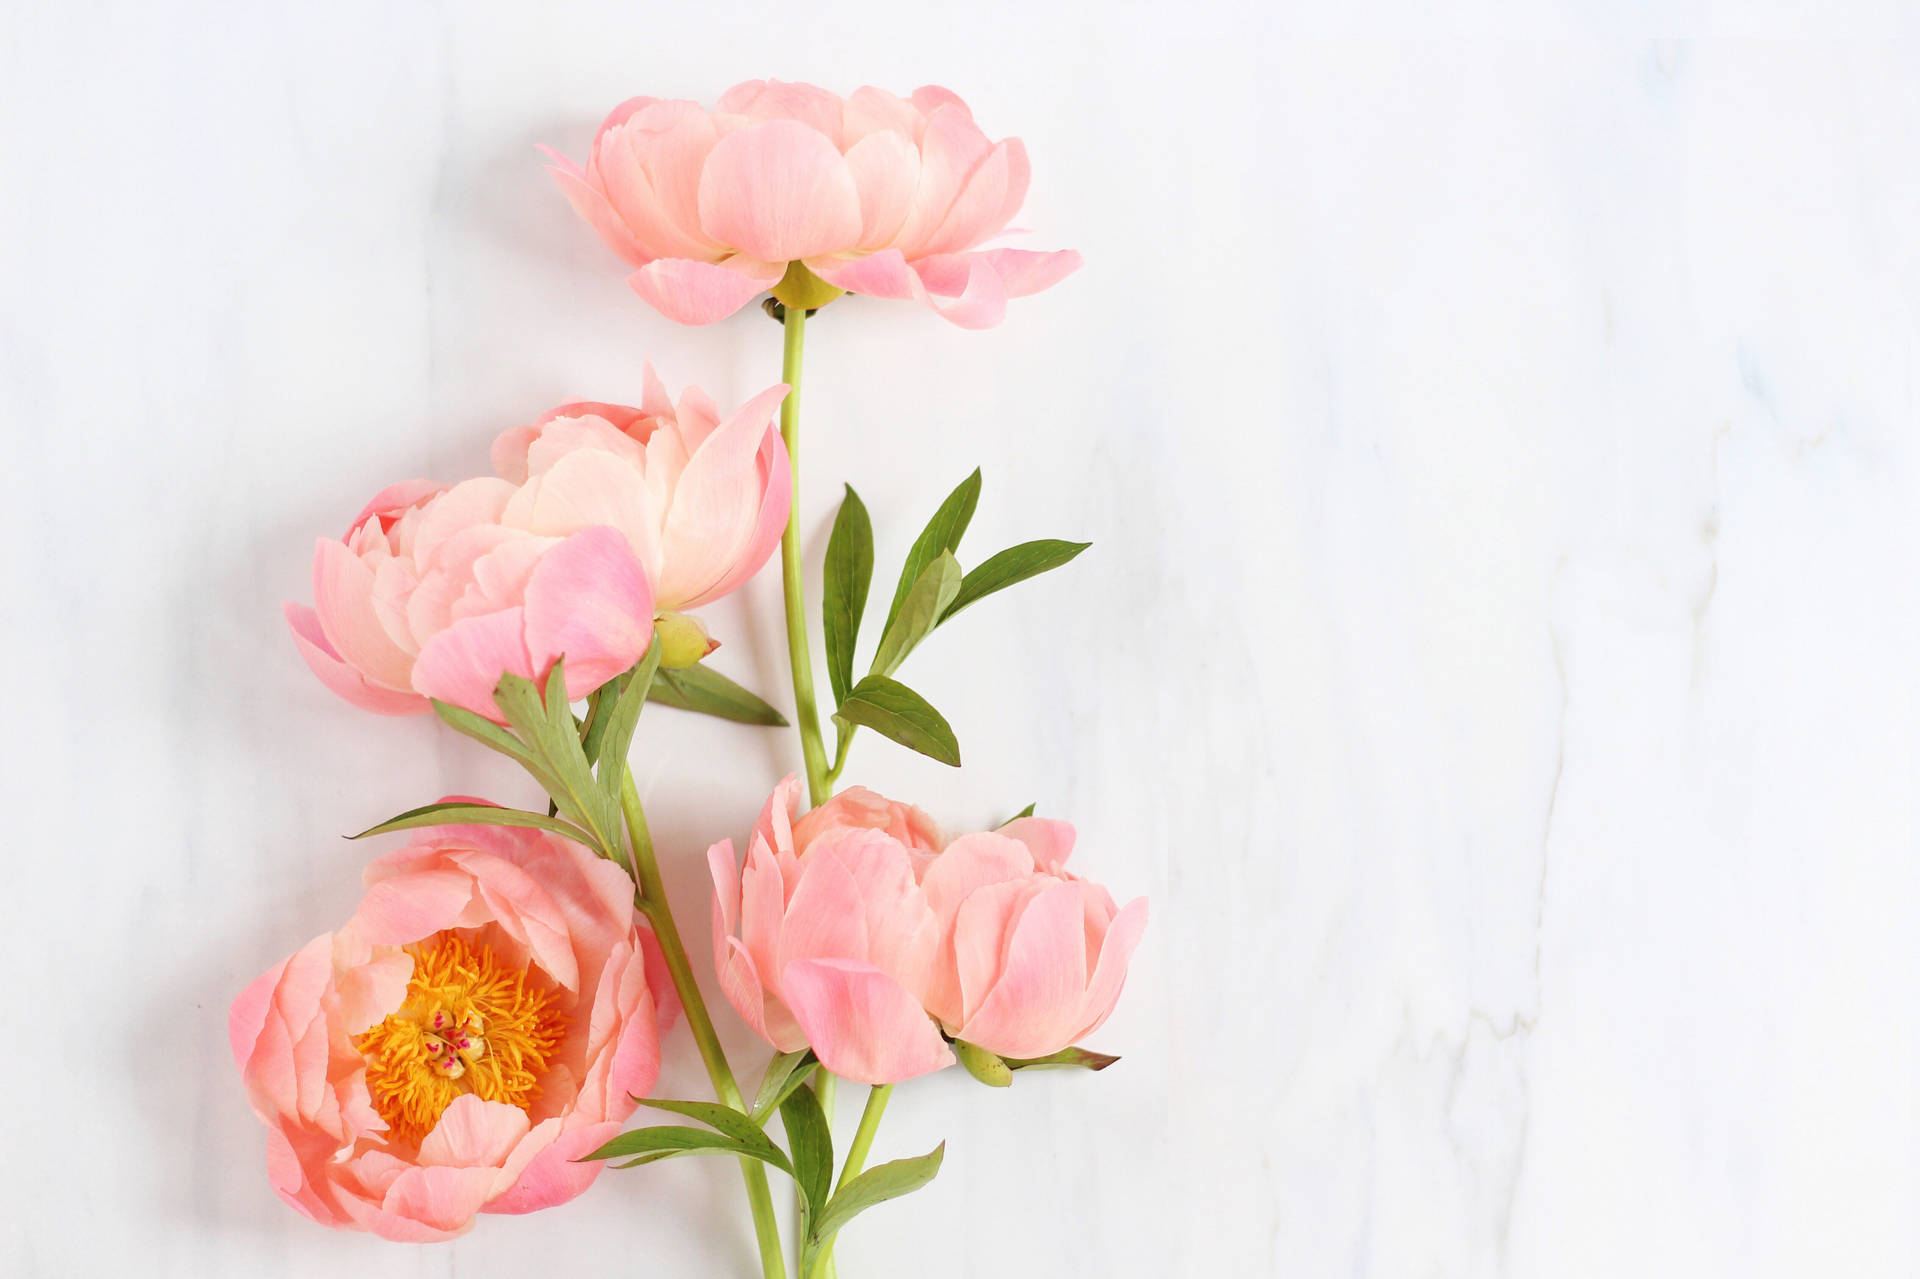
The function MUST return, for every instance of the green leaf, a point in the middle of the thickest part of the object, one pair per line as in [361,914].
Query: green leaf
[892,709]
[460,814]
[621,720]
[1025,812]
[593,731]
[490,734]
[925,605]
[730,1122]
[811,1142]
[673,1140]
[553,735]
[1015,564]
[875,1186]
[849,572]
[941,534]
[784,1074]
[983,1065]
[1066,1058]
[708,692]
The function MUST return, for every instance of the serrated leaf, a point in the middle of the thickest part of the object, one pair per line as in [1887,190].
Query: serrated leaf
[784,1073]
[925,605]
[708,692]
[673,1140]
[730,1122]
[1065,1059]
[875,1186]
[848,575]
[893,710]
[1025,812]
[622,719]
[942,533]
[811,1142]
[1015,564]
[460,814]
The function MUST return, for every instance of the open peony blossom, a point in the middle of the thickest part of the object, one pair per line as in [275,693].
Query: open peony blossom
[600,516]
[853,929]
[873,194]
[485,1019]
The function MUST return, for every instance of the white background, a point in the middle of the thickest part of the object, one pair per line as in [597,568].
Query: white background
[1496,659]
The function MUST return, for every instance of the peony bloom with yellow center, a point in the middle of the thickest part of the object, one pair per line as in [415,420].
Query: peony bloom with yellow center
[486,1017]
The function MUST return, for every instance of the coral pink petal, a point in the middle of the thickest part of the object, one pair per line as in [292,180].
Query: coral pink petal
[558,1171]
[338,676]
[636,201]
[690,292]
[463,663]
[600,214]
[862,1023]
[881,275]
[1033,1009]
[402,910]
[396,498]
[473,1133]
[1027,271]
[1050,841]
[249,1013]
[826,917]
[1110,975]
[779,191]
[589,601]
[343,600]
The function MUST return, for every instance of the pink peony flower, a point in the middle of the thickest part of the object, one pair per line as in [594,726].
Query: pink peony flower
[483,1020]
[600,515]
[855,929]
[874,194]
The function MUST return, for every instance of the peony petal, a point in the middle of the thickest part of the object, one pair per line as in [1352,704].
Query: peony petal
[818,109]
[622,173]
[976,210]
[343,601]
[472,1133]
[779,191]
[965,289]
[1049,840]
[463,663]
[402,910]
[775,502]
[886,171]
[1027,271]
[1034,1007]
[951,148]
[589,600]
[717,506]
[599,213]
[557,1170]
[862,1024]
[1110,975]
[338,676]
[690,292]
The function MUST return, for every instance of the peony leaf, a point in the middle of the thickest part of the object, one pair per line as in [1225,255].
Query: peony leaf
[941,534]
[1025,812]
[892,709]
[465,814]
[811,1141]
[708,692]
[563,768]
[659,1143]
[925,605]
[875,1186]
[784,1074]
[848,575]
[985,1066]
[621,720]
[1015,564]
[730,1122]
[1066,1058]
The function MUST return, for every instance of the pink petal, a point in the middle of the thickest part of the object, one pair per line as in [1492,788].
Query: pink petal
[639,204]
[343,600]
[249,1013]
[965,289]
[825,919]
[976,212]
[886,170]
[870,110]
[817,108]
[589,601]
[472,1133]
[556,1172]
[599,214]
[585,488]
[863,1024]
[951,148]
[774,505]
[1050,841]
[882,275]
[690,292]
[402,910]
[338,676]
[982,929]
[673,140]
[930,97]
[1033,1009]
[1103,990]
[1026,271]
[717,506]
[779,191]
[463,663]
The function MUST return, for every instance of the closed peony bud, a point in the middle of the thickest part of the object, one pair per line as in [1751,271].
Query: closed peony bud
[683,640]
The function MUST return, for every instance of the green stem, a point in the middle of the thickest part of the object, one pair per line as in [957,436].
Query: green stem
[806,708]
[652,900]
[863,1137]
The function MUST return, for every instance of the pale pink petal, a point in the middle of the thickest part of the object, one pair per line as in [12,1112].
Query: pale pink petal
[862,1024]
[463,663]
[395,499]
[882,275]
[343,601]
[249,1013]
[951,148]
[338,676]
[690,292]
[1033,1009]
[587,488]
[930,97]
[774,505]
[588,600]
[965,289]
[599,214]
[1050,841]
[639,205]
[717,505]
[1116,951]
[817,108]
[825,917]
[557,1170]
[779,191]
[976,211]
[673,140]
[886,171]
[1027,271]
[402,910]
[870,110]
[472,1133]
[979,938]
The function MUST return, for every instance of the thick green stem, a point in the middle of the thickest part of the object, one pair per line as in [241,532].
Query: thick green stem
[652,899]
[813,750]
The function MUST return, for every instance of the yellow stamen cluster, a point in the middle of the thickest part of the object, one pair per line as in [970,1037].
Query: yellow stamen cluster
[469,1025]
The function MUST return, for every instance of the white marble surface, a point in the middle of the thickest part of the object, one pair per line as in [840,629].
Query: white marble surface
[1496,659]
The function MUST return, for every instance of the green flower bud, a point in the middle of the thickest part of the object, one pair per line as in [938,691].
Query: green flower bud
[683,640]
[983,1065]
